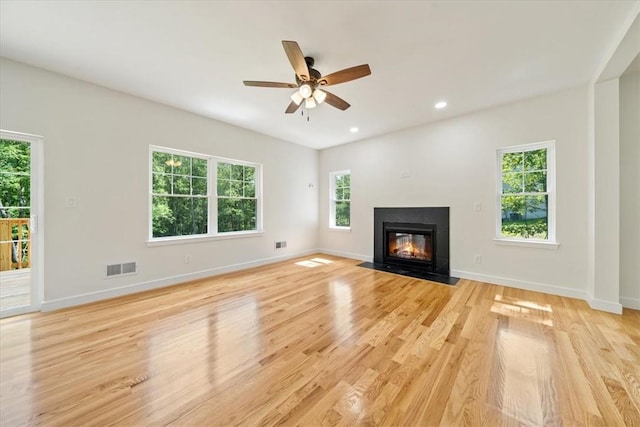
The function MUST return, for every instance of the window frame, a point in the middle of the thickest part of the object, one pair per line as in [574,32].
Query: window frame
[212,198]
[333,199]
[550,241]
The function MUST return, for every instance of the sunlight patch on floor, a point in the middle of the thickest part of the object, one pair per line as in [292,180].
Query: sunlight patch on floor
[522,309]
[314,262]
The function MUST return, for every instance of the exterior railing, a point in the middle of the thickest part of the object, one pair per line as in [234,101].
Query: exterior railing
[15,244]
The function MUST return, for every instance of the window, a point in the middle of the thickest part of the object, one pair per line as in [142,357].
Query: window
[184,203]
[237,201]
[526,192]
[340,214]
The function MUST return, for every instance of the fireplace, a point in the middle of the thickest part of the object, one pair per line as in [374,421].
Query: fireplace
[410,244]
[413,242]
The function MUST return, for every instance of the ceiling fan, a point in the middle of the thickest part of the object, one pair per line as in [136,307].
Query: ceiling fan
[309,81]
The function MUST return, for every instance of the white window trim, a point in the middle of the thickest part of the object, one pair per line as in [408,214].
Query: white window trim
[550,242]
[212,196]
[332,200]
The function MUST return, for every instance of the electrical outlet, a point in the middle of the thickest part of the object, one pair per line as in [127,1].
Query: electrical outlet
[187,259]
[405,174]
[477,206]
[478,259]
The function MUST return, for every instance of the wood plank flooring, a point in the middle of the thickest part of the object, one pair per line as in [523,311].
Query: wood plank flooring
[322,342]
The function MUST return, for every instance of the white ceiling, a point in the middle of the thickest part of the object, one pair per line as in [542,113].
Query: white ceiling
[194,55]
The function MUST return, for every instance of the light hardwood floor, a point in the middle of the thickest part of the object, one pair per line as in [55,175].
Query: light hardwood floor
[322,342]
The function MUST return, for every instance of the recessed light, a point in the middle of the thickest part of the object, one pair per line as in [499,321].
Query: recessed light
[440,105]
[354,130]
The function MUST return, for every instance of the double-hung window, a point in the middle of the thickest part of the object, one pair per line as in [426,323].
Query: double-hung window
[526,193]
[197,195]
[340,202]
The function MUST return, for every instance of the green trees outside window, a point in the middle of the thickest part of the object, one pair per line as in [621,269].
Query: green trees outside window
[525,194]
[15,204]
[15,179]
[182,198]
[179,196]
[237,201]
[341,199]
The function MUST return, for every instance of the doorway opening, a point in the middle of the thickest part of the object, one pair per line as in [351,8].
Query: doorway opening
[20,157]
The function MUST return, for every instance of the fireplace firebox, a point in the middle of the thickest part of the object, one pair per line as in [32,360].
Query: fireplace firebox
[412,241]
[410,244]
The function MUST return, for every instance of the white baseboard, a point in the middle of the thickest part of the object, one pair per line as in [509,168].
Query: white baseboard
[161,283]
[521,284]
[598,304]
[346,255]
[632,303]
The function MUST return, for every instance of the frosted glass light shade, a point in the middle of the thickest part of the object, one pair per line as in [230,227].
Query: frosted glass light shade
[319,96]
[305,91]
[297,98]
[309,103]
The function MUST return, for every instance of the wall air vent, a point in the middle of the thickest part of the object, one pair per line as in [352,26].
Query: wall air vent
[123,269]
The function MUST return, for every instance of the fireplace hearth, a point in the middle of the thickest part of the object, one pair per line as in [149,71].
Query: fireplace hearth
[413,242]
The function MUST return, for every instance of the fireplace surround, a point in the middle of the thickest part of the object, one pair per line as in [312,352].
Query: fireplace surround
[412,241]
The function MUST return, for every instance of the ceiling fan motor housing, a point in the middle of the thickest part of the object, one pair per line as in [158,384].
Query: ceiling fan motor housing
[313,73]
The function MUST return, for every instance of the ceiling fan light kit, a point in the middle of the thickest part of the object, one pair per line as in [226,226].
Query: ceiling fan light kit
[309,79]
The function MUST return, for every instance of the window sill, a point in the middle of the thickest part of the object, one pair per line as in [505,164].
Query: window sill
[166,241]
[540,244]
[333,228]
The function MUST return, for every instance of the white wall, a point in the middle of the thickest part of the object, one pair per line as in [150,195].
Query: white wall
[630,189]
[96,144]
[607,195]
[453,163]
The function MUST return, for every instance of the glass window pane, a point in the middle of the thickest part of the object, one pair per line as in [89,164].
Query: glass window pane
[347,180]
[513,208]
[224,171]
[535,182]
[237,172]
[249,173]
[338,193]
[512,162]
[227,211]
[249,214]
[535,160]
[249,189]
[199,186]
[181,165]
[190,215]
[199,167]
[525,216]
[200,215]
[346,193]
[161,162]
[343,214]
[161,184]
[237,215]
[163,220]
[236,189]
[512,183]
[181,184]
[224,188]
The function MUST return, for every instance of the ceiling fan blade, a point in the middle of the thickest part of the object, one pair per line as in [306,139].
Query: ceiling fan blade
[292,108]
[336,101]
[345,75]
[269,84]
[294,53]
